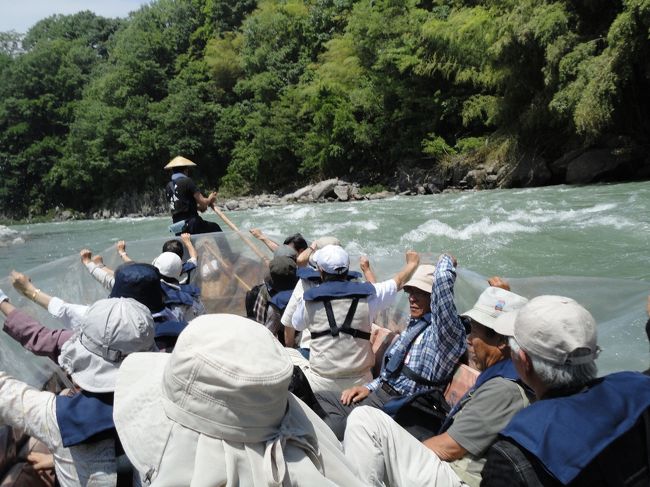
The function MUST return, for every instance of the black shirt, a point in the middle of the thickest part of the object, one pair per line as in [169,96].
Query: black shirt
[180,194]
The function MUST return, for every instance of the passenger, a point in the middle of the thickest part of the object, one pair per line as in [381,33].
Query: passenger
[217,412]
[582,431]
[385,453]
[170,246]
[184,300]
[138,281]
[268,301]
[78,428]
[185,200]
[425,354]
[291,247]
[308,278]
[338,314]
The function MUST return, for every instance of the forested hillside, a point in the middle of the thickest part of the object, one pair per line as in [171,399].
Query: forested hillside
[272,94]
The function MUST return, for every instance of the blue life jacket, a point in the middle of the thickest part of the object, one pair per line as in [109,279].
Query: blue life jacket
[311,274]
[83,416]
[567,433]
[394,365]
[176,296]
[281,299]
[169,328]
[330,290]
[504,368]
[339,290]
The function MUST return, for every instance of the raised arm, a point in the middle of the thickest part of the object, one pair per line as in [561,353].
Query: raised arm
[412,262]
[368,273]
[262,237]
[100,272]
[121,251]
[23,284]
[187,241]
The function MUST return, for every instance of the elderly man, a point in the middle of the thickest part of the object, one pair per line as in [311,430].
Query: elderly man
[338,314]
[425,354]
[582,431]
[386,454]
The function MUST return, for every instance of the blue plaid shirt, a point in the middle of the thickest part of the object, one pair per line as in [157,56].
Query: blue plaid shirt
[436,351]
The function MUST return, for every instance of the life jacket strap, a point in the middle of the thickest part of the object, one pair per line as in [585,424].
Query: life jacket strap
[347,323]
[415,377]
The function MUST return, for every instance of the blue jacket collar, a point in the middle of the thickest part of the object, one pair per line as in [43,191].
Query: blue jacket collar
[83,416]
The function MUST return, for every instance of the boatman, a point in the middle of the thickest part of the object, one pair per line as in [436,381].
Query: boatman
[185,200]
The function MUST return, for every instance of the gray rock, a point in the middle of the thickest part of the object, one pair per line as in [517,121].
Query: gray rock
[597,165]
[475,177]
[232,204]
[530,171]
[296,195]
[420,189]
[381,195]
[66,215]
[323,188]
[342,192]
[106,213]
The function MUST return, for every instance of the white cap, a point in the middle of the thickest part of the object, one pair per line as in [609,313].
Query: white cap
[169,265]
[554,328]
[332,259]
[492,303]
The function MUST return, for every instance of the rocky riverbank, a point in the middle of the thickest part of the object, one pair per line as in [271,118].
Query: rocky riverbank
[618,161]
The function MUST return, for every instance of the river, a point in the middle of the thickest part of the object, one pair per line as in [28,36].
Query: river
[590,242]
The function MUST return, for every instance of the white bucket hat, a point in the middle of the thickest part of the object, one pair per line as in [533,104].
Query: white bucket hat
[111,329]
[332,259]
[554,328]
[217,410]
[169,265]
[422,278]
[492,303]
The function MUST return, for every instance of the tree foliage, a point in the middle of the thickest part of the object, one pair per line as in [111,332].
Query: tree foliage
[272,94]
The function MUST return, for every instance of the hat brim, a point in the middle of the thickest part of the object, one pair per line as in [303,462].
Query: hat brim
[144,428]
[502,324]
[89,371]
[417,284]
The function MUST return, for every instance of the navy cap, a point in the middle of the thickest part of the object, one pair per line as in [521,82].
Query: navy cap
[140,282]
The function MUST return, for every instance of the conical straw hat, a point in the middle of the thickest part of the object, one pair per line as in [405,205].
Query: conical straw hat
[179,161]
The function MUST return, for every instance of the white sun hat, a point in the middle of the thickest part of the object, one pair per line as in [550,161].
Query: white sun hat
[492,303]
[169,265]
[217,411]
[111,329]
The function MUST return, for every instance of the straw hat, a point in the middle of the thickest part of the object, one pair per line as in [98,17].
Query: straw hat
[179,161]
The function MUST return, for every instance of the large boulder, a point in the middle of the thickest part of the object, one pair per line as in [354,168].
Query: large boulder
[604,164]
[476,178]
[342,191]
[529,171]
[324,188]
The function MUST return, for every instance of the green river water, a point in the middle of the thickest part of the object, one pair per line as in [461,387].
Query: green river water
[590,243]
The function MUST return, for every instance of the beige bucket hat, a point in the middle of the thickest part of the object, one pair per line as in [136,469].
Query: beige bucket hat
[422,278]
[217,411]
[179,161]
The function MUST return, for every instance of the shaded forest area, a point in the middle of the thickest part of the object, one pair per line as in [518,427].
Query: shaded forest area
[269,95]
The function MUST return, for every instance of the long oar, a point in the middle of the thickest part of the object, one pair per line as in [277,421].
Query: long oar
[241,235]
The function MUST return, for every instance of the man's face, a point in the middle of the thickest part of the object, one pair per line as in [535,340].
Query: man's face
[419,302]
[483,346]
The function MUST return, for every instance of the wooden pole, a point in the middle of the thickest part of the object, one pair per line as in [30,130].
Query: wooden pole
[228,222]
[226,267]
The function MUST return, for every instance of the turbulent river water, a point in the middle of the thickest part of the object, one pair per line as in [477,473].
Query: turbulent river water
[590,243]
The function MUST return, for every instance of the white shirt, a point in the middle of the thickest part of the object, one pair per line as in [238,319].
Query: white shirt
[384,297]
[70,314]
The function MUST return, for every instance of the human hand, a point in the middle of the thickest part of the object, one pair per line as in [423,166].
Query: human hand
[496,281]
[41,461]
[257,233]
[22,283]
[186,238]
[453,259]
[212,198]
[121,246]
[412,257]
[85,255]
[354,395]
[364,263]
